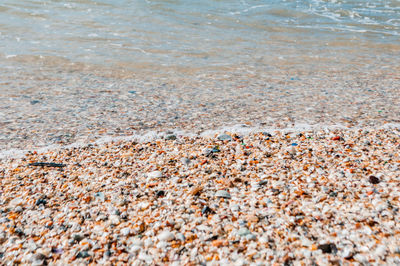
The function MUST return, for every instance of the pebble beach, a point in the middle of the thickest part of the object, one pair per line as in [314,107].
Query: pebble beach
[316,197]
[251,132]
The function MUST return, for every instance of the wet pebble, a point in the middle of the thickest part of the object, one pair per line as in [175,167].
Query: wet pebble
[224,137]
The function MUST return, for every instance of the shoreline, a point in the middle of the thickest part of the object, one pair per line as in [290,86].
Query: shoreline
[152,135]
[319,196]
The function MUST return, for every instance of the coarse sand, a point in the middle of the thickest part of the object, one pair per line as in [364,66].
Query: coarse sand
[307,197]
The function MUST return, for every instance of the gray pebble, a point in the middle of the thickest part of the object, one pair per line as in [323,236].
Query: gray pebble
[224,137]
[243,231]
[223,194]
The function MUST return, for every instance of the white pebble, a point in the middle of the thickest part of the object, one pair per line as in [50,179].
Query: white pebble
[154,174]
[166,236]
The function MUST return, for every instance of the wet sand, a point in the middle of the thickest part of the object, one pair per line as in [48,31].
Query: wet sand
[51,107]
[305,197]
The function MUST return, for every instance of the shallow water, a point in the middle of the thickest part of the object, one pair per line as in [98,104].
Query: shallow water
[197,34]
[87,69]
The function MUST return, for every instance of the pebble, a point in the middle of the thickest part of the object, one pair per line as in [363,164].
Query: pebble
[243,231]
[114,219]
[185,161]
[224,137]
[125,231]
[280,202]
[100,196]
[166,236]
[15,202]
[170,137]
[77,237]
[181,237]
[135,249]
[223,194]
[250,237]
[155,174]
[138,242]
[328,248]
[374,180]
[82,254]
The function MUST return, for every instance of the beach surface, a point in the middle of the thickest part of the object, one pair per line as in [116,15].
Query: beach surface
[279,197]
[251,132]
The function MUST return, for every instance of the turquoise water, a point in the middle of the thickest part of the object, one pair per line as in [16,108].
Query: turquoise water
[198,34]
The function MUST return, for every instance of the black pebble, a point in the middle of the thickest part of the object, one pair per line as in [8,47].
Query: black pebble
[160,193]
[374,180]
[19,232]
[263,182]
[207,210]
[328,248]
[41,201]
[214,237]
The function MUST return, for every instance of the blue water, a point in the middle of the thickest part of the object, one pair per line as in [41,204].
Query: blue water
[198,34]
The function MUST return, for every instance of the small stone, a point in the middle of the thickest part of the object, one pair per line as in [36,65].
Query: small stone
[166,236]
[100,196]
[154,174]
[223,194]
[114,219]
[185,161]
[135,249]
[243,231]
[251,237]
[125,231]
[224,137]
[263,182]
[82,254]
[44,251]
[181,237]
[147,258]
[196,191]
[374,180]
[328,248]
[292,150]
[15,202]
[40,256]
[57,250]
[170,137]
[137,242]
[19,209]
[207,210]
[160,193]
[41,201]
[77,237]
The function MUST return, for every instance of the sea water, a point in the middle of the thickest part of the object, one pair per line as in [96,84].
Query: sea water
[200,35]
[81,70]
